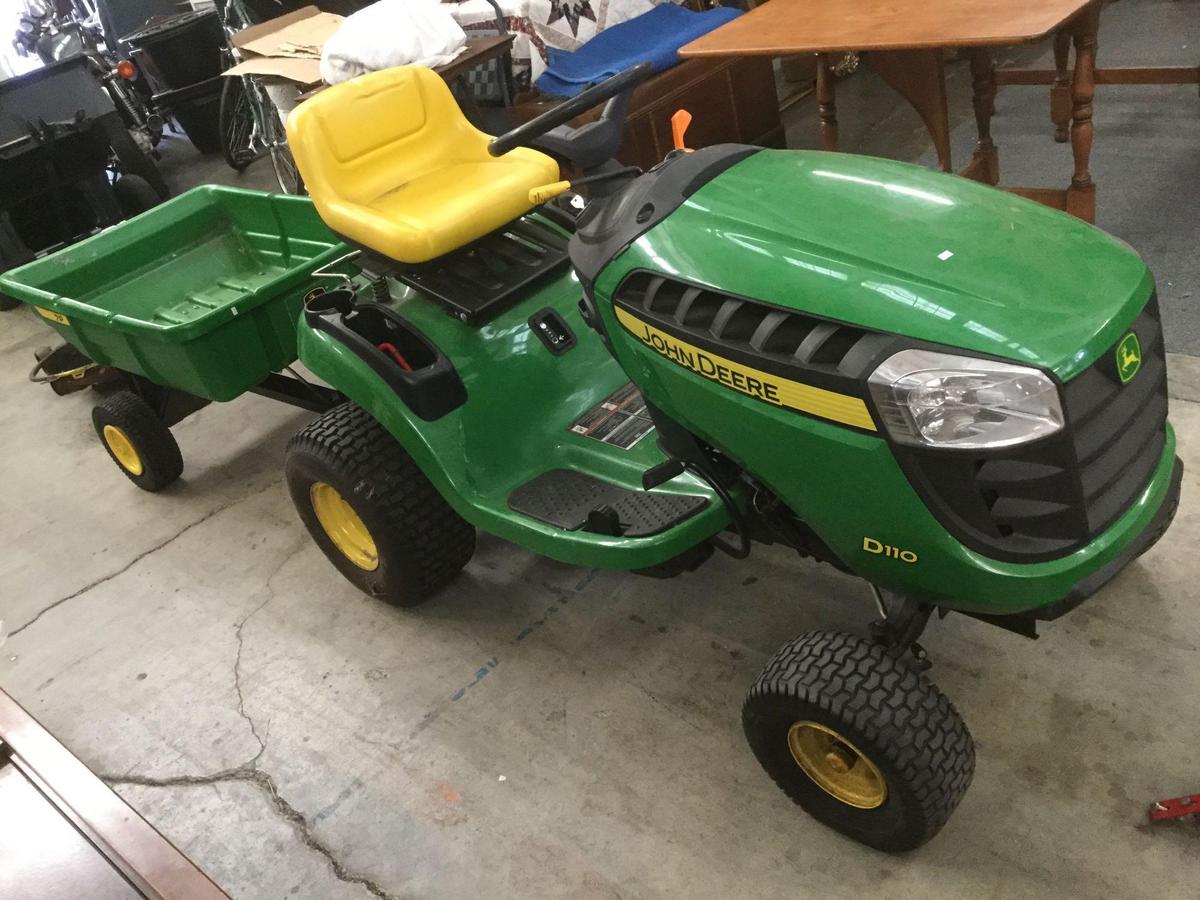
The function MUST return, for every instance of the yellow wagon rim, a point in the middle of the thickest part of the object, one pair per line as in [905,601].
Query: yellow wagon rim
[123,451]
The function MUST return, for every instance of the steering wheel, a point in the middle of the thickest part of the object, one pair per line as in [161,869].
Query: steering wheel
[592,144]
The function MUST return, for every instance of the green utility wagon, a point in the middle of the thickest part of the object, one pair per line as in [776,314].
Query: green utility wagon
[192,302]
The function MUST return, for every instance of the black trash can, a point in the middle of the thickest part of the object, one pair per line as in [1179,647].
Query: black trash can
[197,108]
[179,51]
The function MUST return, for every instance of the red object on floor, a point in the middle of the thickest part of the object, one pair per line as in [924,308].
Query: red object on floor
[396,355]
[1176,808]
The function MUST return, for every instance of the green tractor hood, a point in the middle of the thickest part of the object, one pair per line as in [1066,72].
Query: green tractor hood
[902,249]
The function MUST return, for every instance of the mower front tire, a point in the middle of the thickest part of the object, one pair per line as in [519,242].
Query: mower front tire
[859,739]
[137,440]
[372,511]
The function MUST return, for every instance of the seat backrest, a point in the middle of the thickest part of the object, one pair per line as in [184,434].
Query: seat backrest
[371,134]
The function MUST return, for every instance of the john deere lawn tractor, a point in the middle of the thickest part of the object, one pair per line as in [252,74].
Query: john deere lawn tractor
[955,393]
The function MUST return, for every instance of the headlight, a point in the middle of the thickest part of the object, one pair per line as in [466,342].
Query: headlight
[935,399]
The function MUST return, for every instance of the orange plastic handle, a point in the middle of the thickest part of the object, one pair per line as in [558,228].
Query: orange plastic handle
[679,126]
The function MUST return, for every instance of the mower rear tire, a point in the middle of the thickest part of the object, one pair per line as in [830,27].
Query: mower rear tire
[7,303]
[371,509]
[859,739]
[137,440]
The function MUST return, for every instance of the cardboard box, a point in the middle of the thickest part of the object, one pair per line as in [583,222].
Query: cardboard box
[287,47]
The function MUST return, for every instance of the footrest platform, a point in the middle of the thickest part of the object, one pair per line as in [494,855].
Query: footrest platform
[564,498]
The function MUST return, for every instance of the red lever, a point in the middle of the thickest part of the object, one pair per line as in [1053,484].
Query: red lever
[396,355]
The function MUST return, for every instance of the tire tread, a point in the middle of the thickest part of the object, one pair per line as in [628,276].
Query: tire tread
[886,700]
[438,540]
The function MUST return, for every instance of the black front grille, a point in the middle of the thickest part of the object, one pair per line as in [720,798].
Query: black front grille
[1118,430]
[1051,497]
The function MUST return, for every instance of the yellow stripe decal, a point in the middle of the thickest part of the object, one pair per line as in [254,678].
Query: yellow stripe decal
[761,385]
[53,316]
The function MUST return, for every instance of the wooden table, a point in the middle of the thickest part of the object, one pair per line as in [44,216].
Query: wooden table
[907,40]
[65,833]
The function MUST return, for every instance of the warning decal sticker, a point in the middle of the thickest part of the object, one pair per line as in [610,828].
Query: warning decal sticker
[619,419]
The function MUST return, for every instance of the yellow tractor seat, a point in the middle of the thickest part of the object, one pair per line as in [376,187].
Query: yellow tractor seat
[392,164]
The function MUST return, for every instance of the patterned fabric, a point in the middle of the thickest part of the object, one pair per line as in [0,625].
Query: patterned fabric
[537,24]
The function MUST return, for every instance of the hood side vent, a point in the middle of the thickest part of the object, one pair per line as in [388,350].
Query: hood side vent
[749,326]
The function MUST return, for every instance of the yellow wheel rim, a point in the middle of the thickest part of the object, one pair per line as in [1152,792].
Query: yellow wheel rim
[122,449]
[838,767]
[344,527]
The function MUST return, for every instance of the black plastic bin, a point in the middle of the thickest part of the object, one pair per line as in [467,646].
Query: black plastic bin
[179,51]
[197,108]
[181,58]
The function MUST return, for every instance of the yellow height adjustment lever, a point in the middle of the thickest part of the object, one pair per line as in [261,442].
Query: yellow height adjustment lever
[539,195]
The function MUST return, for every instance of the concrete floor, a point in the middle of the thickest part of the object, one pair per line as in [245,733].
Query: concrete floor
[541,730]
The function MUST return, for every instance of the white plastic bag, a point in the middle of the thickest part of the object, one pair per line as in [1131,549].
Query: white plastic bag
[391,33]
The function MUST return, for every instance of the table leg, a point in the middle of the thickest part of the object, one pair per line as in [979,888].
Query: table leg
[1081,196]
[919,77]
[1060,93]
[985,163]
[826,103]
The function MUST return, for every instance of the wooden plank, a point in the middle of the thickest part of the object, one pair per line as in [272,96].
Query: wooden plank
[1054,197]
[148,860]
[783,27]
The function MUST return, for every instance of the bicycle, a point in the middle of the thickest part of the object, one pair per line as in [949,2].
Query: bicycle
[251,126]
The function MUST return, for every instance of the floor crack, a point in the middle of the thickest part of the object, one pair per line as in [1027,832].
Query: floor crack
[237,660]
[249,773]
[237,680]
[137,559]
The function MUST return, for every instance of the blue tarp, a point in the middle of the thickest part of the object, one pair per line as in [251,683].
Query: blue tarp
[654,37]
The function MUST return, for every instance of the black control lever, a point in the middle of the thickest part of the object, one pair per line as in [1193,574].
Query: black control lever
[613,119]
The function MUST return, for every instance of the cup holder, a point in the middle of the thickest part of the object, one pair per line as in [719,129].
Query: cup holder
[339,300]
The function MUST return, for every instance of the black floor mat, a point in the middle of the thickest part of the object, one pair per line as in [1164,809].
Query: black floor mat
[564,498]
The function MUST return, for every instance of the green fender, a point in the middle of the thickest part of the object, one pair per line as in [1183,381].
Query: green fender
[515,425]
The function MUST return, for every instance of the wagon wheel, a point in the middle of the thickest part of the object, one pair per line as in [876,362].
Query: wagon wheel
[137,440]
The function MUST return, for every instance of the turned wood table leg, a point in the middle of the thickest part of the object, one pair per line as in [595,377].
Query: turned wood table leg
[1081,196]
[920,78]
[1060,93]
[826,103]
[985,163]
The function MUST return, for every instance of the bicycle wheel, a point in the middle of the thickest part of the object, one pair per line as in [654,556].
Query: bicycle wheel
[275,139]
[237,125]
[286,172]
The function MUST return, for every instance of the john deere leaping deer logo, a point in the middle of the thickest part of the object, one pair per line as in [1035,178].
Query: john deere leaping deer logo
[1129,357]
